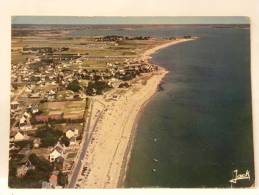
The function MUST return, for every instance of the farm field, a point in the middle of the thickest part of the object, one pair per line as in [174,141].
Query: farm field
[68,109]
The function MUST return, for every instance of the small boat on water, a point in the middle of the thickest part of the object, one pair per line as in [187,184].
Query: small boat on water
[155,139]
[155,160]
[154,170]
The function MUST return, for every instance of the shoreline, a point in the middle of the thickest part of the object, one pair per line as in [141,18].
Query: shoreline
[148,53]
[126,159]
[146,56]
[109,153]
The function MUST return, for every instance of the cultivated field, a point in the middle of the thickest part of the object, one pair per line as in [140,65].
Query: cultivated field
[69,109]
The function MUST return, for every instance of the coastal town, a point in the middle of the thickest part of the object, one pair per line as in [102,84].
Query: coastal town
[74,102]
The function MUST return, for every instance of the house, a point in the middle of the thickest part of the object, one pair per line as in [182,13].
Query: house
[36,142]
[51,95]
[20,137]
[51,92]
[22,120]
[39,83]
[23,169]
[110,84]
[13,147]
[53,83]
[53,180]
[56,152]
[92,92]
[14,105]
[26,115]
[42,118]
[46,185]
[34,109]
[26,127]
[72,133]
[54,155]
[121,71]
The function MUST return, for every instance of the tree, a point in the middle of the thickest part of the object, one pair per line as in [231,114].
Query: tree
[62,179]
[64,140]
[40,164]
[48,135]
[99,86]
[74,86]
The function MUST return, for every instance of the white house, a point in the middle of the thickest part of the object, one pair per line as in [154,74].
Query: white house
[27,115]
[19,137]
[22,170]
[56,152]
[22,120]
[36,142]
[26,127]
[35,109]
[72,133]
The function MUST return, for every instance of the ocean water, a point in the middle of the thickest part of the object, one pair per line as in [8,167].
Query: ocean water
[198,130]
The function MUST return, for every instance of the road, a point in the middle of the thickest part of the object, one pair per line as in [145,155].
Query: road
[19,93]
[83,149]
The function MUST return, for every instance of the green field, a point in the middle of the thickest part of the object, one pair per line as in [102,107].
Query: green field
[73,109]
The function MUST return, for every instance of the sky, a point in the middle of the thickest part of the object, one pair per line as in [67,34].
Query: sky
[128,20]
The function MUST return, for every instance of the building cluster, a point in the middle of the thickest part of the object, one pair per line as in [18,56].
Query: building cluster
[23,145]
[121,38]
[50,77]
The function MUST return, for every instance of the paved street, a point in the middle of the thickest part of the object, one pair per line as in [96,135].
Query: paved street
[87,138]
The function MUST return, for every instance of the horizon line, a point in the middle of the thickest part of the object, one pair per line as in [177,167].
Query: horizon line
[131,20]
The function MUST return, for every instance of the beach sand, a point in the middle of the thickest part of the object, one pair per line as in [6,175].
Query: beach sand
[113,134]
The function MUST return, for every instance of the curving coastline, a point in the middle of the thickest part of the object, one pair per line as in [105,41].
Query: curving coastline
[147,55]
[109,153]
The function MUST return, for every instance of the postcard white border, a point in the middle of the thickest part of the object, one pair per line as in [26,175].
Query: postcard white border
[10,8]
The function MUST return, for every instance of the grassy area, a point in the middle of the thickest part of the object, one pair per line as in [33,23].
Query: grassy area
[64,106]
[41,152]
[65,110]
[84,45]
[71,155]
[18,58]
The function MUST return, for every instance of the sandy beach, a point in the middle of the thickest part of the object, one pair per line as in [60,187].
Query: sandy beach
[147,54]
[113,127]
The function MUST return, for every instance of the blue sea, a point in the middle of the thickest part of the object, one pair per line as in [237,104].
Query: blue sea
[198,130]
